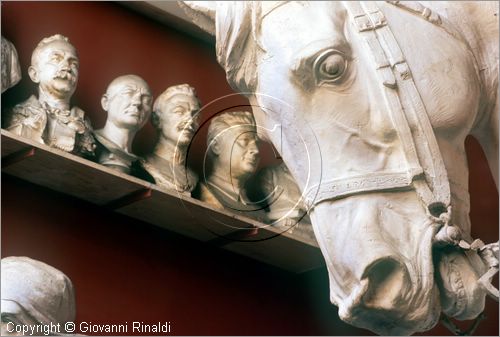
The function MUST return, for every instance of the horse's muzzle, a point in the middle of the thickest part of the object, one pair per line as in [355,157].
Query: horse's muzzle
[378,249]
[389,303]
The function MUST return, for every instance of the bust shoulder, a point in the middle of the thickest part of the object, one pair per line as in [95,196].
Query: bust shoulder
[204,194]
[27,119]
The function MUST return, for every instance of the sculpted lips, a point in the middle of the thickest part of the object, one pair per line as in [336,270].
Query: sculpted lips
[184,127]
[251,160]
[64,75]
[133,111]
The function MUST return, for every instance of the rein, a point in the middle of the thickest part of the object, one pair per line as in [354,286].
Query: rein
[426,172]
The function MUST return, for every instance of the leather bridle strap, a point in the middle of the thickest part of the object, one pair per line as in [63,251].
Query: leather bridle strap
[340,188]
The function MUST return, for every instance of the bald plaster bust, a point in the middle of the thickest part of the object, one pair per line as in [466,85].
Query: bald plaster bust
[49,118]
[234,156]
[11,70]
[34,293]
[175,118]
[128,102]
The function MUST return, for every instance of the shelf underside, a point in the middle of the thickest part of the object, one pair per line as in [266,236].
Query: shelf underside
[81,178]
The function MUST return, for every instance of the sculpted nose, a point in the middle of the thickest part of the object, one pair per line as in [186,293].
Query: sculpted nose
[387,284]
[253,149]
[64,67]
[136,99]
[65,64]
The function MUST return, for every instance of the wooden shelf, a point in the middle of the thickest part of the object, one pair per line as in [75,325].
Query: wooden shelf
[81,178]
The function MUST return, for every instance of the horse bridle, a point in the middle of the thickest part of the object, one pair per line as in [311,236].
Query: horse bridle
[426,172]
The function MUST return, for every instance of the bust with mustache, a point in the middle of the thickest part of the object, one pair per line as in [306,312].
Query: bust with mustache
[128,102]
[234,157]
[175,117]
[49,118]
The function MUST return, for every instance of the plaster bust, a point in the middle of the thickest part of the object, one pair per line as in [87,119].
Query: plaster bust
[283,197]
[175,118]
[128,102]
[34,293]
[11,70]
[49,119]
[234,157]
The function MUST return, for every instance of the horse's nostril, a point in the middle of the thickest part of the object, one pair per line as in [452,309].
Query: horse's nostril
[437,208]
[387,280]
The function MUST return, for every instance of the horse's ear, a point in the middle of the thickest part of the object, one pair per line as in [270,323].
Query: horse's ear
[202,13]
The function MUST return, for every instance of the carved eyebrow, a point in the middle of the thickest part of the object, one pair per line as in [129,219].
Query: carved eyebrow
[56,53]
[184,105]
[302,64]
[313,49]
[129,87]
[135,88]
[62,53]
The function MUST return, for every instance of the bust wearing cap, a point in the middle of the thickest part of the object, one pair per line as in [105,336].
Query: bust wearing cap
[34,293]
[233,153]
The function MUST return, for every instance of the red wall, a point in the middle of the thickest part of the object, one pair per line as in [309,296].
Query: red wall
[125,270]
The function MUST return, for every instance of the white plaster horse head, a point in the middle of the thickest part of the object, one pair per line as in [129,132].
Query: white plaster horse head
[375,100]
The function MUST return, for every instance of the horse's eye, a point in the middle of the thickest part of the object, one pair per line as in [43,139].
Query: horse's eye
[329,67]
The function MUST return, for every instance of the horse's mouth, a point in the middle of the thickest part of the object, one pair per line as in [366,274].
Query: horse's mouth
[457,275]
[397,314]
[389,301]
